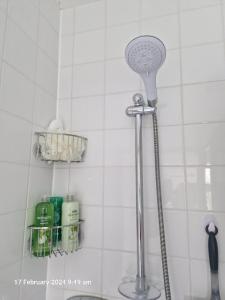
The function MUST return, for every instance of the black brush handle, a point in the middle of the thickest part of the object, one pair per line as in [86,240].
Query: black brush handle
[213,249]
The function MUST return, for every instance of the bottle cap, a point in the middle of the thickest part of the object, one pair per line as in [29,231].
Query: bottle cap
[69,198]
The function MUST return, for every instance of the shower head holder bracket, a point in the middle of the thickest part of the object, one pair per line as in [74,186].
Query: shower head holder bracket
[139,107]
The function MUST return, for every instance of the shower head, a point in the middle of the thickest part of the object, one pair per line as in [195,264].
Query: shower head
[145,55]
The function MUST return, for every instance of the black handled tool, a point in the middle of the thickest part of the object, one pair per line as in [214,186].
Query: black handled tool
[213,260]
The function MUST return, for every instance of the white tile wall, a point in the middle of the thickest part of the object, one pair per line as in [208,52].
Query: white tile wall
[156,8]
[122,12]
[89,47]
[25,14]
[90,16]
[93,107]
[28,85]
[88,79]
[201,26]
[96,86]
[117,38]
[165,27]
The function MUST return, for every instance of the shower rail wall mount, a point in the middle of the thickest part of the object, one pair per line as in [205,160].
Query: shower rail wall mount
[54,234]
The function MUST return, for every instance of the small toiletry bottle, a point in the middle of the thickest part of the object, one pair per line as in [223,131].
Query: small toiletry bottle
[70,219]
[57,232]
[42,238]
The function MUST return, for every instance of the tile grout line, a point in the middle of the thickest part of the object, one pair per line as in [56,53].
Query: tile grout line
[184,149]
[120,58]
[103,149]
[144,19]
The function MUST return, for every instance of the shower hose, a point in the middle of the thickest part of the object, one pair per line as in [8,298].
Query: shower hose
[160,209]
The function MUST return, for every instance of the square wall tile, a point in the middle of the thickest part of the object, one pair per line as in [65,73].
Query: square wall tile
[60,183]
[15,133]
[165,28]
[201,26]
[40,183]
[77,267]
[180,278]
[169,106]
[120,78]
[119,148]
[92,226]
[199,106]
[198,65]
[173,187]
[50,9]
[20,50]
[47,75]
[169,74]
[66,54]
[12,248]
[64,113]
[37,271]
[55,269]
[25,15]
[122,12]
[16,175]
[120,228]
[67,21]
[88,113]
[155,8]
[89,46]
[3,4]
[65,82]
[115,111]
[90,16]
[170,144]
[205,185]
[81,178]
[207,150]
[8,274]
[118,37]
[48,39]
[88,79]
[44,108]
[177,241]
[119,186]
[200,279]
[94,154]
[18,100]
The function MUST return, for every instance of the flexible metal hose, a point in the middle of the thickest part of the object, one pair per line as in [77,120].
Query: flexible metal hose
[160,209]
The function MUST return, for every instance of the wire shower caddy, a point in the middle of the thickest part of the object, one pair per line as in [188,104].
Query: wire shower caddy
[60,147]
[55,245]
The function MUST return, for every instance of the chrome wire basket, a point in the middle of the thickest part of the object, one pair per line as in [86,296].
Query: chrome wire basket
[64,147]
[54,240]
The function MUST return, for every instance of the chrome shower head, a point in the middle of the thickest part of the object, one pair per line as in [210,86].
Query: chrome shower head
[145,55]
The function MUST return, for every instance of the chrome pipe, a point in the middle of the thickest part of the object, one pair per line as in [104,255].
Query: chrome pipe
[139,204]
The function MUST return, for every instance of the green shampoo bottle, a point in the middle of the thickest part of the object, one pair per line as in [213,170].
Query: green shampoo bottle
[42,237]
[57,232]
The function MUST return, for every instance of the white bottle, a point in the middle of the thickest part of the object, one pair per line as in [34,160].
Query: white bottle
[70,217]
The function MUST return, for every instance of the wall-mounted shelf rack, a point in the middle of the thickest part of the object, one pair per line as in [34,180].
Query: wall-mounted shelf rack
[55,240]
[60,147]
